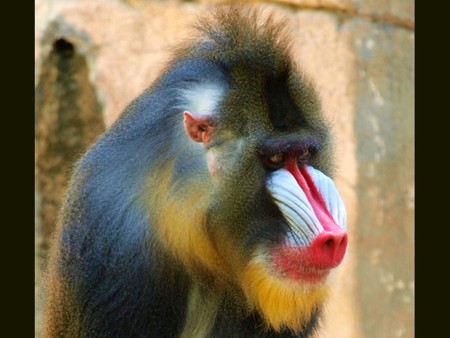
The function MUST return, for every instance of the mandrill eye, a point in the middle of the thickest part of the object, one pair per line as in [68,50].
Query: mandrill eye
[274,162]
[277,158]
[303,156]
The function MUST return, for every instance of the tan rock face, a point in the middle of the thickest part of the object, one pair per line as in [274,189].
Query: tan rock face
[384,126]
[363,70]
[126,46]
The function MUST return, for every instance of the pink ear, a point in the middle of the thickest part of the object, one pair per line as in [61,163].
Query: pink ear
[198,127]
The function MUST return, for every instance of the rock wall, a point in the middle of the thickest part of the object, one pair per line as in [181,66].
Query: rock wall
[360,53]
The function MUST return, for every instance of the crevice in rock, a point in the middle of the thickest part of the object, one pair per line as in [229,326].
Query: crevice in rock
[68,119]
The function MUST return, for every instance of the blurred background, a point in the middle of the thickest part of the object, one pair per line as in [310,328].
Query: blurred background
[94,56]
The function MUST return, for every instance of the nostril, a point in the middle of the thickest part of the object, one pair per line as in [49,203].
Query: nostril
[329,242]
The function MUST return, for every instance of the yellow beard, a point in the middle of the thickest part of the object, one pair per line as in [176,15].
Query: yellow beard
[283,303]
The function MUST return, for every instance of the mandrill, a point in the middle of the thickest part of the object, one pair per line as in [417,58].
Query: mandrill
[207,209]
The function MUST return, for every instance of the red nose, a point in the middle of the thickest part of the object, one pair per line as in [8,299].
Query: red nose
[328,249]
[312,263]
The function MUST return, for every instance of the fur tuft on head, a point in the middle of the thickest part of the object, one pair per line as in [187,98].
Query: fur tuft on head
[241,36]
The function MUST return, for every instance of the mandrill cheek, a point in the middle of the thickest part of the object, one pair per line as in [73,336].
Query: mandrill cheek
[225,160]
[316,240]
[213,166]
[218,167]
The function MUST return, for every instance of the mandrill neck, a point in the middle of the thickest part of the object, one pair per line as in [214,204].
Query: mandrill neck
[253,326]
[213,314]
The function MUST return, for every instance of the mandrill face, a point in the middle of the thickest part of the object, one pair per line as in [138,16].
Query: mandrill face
[294,222]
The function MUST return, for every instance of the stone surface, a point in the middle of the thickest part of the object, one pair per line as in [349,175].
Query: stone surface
[402,10]
[319,4]
[385,154]
[399,12]
[364,71]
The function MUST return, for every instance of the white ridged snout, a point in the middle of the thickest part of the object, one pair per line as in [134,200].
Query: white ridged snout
[297,210]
